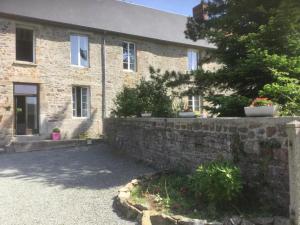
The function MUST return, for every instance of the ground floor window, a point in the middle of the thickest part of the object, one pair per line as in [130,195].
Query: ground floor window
[81,101]
[195,103]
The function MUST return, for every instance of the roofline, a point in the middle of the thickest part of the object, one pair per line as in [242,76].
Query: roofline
[148,7]
[30,19]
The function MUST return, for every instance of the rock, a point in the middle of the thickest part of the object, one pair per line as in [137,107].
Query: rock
[246,222]
[236,220]
[160,219]
[278,220]
[263,221]
[140,207]
[214,223]
[187,221]
[146,218]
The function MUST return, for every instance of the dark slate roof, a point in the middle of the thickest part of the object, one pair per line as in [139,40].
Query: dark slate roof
[108,15]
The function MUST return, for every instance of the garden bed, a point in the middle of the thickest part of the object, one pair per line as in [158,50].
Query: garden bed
[165,199]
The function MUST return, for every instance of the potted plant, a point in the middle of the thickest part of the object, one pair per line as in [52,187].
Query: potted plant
[261,107]
[187,113]
[56,136]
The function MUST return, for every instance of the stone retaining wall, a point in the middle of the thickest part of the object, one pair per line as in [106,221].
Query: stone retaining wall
[258,145]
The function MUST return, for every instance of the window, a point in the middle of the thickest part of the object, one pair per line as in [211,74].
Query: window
[129,56]
[80,101]
[24,45]
[193,60]
[79,50]
[195,103]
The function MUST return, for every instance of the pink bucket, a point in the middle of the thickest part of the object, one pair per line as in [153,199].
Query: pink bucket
[56,136]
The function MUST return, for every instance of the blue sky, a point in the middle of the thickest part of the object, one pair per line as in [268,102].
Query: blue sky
[183,7]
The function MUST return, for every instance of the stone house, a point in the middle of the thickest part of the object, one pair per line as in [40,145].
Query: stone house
[62,62]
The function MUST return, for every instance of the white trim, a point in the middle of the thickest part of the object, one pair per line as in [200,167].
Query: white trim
[87,102]
[129,62]
[79,65]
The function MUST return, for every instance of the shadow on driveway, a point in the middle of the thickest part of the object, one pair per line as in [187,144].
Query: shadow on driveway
[93,167]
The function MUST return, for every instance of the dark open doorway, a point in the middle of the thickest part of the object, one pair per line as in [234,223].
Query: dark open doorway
[26,109]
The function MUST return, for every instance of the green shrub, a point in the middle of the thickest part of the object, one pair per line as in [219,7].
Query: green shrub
[56,130]
[286,93]
[127,103]
[148,96]
[227,106]
[217,183]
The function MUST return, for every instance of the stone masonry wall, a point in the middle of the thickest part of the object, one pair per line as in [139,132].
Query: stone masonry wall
[55,75]
[258,145]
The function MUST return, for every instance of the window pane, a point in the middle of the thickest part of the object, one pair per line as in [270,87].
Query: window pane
[192,60]
[74,101]
[74,50]
[84,51]
[24,45]
[132,56]
[125,55]
[24,89]
[78,101]
[84,102]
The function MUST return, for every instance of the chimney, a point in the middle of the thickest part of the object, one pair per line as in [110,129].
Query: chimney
[200,11]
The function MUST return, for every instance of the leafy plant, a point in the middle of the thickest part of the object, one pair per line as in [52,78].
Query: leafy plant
[218,183]
[261,102]
[286,93]
[148,96]
[127,103]
[227,106]
[56,130]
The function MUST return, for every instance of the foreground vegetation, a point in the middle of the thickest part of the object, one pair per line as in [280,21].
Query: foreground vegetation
[213,191]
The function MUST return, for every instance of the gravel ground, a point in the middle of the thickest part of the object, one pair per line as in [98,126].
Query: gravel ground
[63,187]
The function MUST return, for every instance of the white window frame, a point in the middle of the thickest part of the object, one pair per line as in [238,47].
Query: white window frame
[197,60]
[26,27]
[135,56]
[194,98]
[78,53]
[75,103]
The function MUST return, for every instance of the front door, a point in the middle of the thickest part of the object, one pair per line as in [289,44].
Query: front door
[26,109]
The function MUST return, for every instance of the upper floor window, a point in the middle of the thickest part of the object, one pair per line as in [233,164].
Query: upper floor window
[24,45]
[195,103]
[193,60]
[129,56]
[81,101]
[79,50]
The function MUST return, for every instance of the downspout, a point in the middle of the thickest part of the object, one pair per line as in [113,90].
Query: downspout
[103,66]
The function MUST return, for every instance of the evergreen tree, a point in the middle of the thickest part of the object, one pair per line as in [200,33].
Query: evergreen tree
[258,44]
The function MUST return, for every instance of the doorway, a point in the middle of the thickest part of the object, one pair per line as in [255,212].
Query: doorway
[26,109]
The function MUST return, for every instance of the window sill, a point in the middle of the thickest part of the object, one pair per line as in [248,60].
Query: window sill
[80,118]
[129,71]
[80,67]
[24,63]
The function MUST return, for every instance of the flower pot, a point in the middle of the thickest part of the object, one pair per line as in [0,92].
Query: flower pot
[56,136]
[89,141]
[187,114]
[261,111]
[146,114]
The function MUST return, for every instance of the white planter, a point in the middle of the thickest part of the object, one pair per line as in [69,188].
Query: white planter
[187,114]
[146,114]
[89,141]
[262,111]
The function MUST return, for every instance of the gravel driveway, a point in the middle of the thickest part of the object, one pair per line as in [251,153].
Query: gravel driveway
[63,187]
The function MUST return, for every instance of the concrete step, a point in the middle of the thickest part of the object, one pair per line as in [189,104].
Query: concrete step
[38,145]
